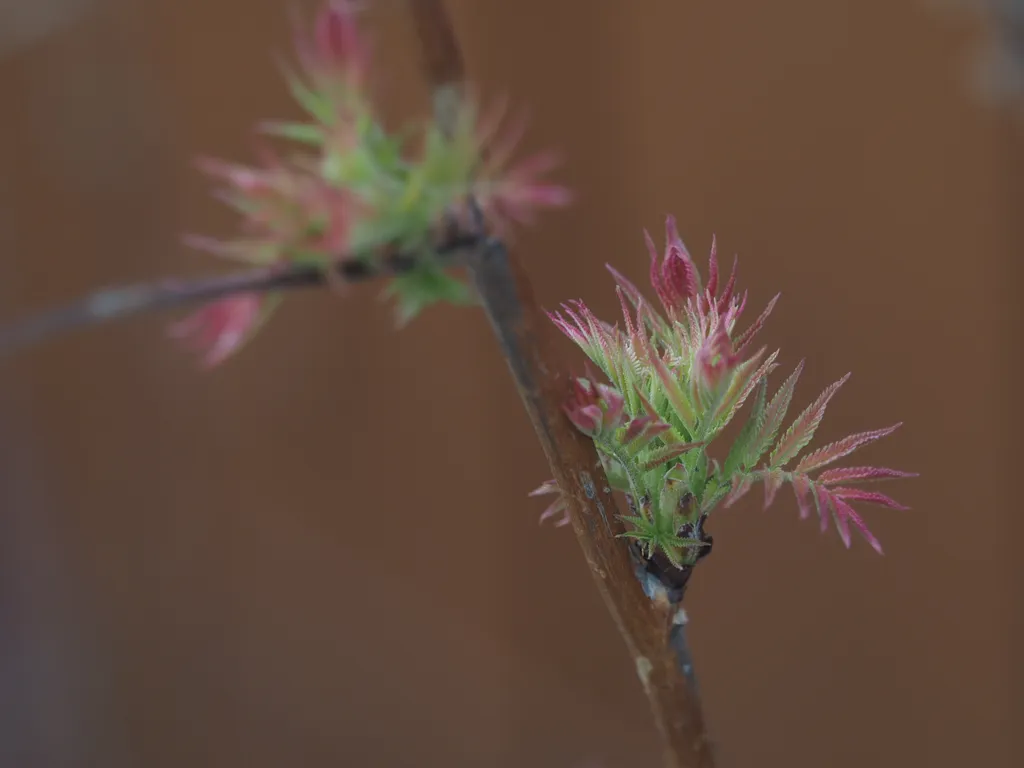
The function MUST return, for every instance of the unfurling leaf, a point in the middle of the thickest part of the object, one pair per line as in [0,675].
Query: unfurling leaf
[841,448]
[774,415]
[802,430]
[746,337]
[860,474]
[871,497]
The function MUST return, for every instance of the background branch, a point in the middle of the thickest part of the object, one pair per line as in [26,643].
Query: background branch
[116,303]
[527,340]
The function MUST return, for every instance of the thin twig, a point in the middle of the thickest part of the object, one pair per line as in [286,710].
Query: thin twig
[117,303]
[528,343]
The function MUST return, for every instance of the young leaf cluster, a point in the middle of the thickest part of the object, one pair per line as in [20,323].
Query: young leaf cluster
[343,185]
[676,378]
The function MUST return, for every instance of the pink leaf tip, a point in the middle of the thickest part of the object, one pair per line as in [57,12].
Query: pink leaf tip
[557,507]
[595,409]
[336,48]
[218,329]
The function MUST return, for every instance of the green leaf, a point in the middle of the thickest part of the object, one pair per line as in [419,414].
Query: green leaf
[426,285]
[740,448]
[617,476]
[355,169]
[387,150]
[315,103]
[696,463]
[775,413]
[678,542]
[303,133]
[673,548]
[677,398]
[642,535]
[713,494]
[744,382]
[802,430]
[672,491]
[641,523]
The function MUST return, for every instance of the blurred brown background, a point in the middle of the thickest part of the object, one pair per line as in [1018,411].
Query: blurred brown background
[322,554]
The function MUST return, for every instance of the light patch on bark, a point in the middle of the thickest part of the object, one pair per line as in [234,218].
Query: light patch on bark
[643,671]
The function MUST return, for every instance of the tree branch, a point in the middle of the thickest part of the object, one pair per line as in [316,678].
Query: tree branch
[527,341]
[116,303]
[645,609]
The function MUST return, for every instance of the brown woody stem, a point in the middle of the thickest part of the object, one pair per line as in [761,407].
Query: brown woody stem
[659,650]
